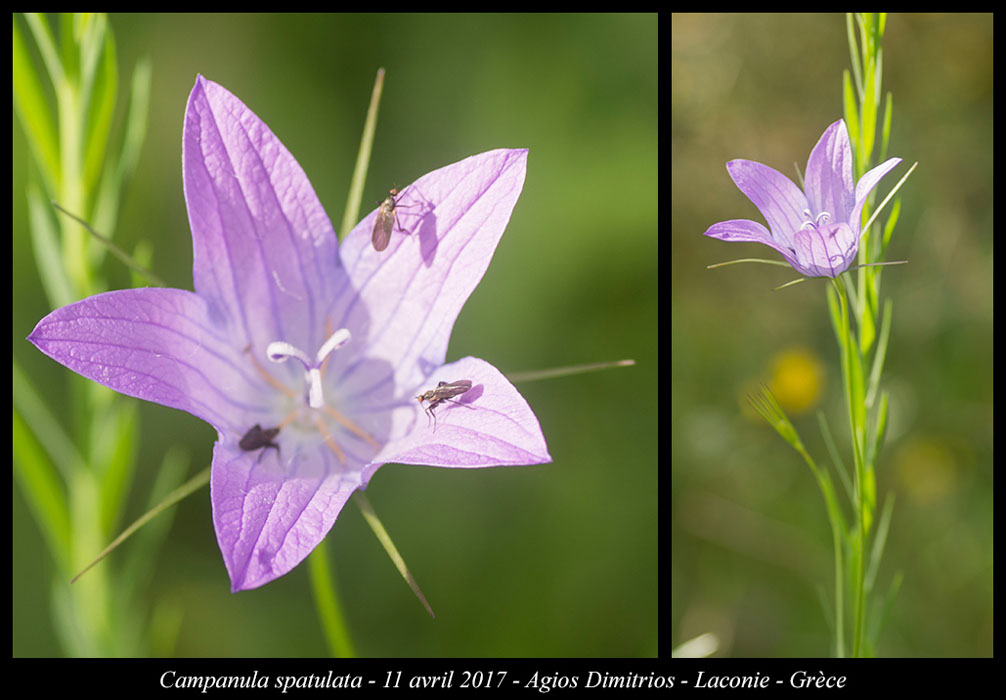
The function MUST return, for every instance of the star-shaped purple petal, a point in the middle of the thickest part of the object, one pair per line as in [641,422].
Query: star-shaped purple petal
[306,356]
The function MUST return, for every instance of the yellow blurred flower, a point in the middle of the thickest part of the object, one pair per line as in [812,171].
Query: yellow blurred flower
[797,380]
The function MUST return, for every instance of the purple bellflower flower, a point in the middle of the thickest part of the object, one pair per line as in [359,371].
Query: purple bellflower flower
[296,342]
[816,230]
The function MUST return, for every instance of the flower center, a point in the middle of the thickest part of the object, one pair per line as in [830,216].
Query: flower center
[814,221]
[281,351]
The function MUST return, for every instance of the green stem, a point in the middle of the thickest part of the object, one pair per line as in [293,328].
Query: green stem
[855,433]
[326,602]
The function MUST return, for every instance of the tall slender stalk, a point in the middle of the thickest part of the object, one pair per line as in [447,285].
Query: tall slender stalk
[859,347]
[848,347]
[855,298]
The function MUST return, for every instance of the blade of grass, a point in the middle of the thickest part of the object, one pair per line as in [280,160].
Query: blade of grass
[122,255]
[385,539]
[34,112]
[182,492]
[42,490]
[359,178]
[537,375]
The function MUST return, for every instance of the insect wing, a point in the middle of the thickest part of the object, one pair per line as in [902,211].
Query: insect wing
[447,390]
[382,227]
[385,222]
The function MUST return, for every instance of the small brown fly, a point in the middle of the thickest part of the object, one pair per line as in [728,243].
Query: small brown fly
[444,392]
[259,437]
[387,217]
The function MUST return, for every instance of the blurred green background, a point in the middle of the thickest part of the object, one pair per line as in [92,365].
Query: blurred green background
[553,560]
[751,544]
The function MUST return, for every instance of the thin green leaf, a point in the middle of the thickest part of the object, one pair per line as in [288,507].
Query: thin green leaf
[835,311]
[872,290]
[879,264]
[798,280]
[90,45]
[857,73]
[136,119]
[835,514]
[880,618]
[536,375]
[359,178]
[858,393]
[851,293]
[836,457]
[881,353]
[766,405]
[878,78]
[114,448]
[101,108]
[869,34]
[744,260]
[34,113]
[880,428]
[382,535]
[873,247]
[870,496]
[182,492]
[71,30]
[886,129]
[880,541]
[122,255]
[41,489]
[890,194]
[853,543]
[115,176]
[57,444]
[851,112]
[139,565]
[892,221]
[46,249]
[867,330]
[47,48]
[869,115]
[850,290]
[863,307]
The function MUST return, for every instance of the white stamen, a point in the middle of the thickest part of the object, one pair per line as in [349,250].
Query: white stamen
[814,221]
[334,342]
[314,397]
[281,351]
